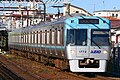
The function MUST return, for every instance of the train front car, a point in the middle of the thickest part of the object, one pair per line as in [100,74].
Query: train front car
[87,43]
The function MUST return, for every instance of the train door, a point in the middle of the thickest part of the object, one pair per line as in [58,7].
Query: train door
[81,43]
[77,39]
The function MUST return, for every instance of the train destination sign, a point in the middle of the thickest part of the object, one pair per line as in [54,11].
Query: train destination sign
[88,21]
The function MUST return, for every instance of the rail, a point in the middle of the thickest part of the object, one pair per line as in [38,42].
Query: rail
[7,74]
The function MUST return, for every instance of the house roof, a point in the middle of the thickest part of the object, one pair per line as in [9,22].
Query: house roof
[115,23]
[107,11]
[81,9]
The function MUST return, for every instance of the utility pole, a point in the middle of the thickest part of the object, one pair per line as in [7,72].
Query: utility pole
[58,7]
[44,5]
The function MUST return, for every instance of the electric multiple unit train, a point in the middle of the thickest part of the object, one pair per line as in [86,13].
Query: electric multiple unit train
[81,43]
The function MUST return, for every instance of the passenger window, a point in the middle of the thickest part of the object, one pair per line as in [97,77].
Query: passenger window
[48,37]
[43,37]
[58,37]
[53,37]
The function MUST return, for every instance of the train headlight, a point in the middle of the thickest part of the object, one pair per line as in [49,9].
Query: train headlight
[72,51]
[105,52]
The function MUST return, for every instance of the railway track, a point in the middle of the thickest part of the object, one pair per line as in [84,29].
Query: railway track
[8,75]
[12,71]
[47,72]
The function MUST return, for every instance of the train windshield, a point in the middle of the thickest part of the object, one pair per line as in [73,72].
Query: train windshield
[99,37]
[77,37]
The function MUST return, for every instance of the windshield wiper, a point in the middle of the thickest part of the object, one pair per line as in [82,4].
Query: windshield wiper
[96,44]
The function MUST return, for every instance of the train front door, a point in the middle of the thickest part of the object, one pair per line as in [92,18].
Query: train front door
[82,43]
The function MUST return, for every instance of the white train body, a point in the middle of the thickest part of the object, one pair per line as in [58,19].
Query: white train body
[82,41]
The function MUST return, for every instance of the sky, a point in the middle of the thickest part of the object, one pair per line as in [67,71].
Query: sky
[88,5]
[95,5]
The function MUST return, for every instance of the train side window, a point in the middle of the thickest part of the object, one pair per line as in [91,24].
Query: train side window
[48,37]
[53,37]
[43,37]
[58,37]
[24,37]
[38,37]
[29,37]
[62,36]
[34,37]
[21,38]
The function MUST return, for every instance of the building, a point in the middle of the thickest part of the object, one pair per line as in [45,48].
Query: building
[114,17]
[108,13]
[71,9]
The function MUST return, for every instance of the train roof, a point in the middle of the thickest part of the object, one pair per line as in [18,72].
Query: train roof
[47,25]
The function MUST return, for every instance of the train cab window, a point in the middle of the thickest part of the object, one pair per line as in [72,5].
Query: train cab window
[77,37]
[81,37]
[100,37]
[71,36]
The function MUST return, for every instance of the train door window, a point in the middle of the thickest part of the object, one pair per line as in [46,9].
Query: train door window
[81,37]
[48,37]
[53,37]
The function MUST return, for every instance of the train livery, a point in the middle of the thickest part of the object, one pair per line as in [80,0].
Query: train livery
[80,43]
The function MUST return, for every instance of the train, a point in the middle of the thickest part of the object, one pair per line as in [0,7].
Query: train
[78,43]
[3,39]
